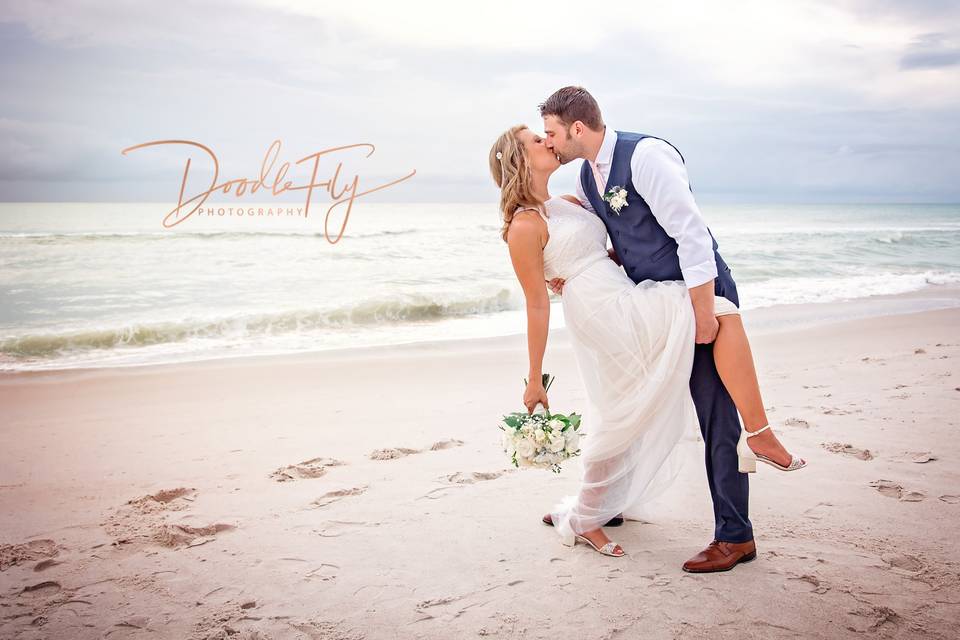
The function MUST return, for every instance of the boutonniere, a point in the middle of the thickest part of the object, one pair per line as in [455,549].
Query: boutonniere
[616,197]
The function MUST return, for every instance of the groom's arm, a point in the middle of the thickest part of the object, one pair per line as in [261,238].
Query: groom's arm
[660,177]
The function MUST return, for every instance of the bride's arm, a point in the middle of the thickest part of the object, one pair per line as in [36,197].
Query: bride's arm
[526,253]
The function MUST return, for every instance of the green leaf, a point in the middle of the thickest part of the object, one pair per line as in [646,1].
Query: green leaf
[546,380]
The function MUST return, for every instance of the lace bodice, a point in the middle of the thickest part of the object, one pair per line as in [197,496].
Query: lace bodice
[578,238]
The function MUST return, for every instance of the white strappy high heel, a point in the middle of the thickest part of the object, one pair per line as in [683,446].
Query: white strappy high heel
[607,549]
[747,459]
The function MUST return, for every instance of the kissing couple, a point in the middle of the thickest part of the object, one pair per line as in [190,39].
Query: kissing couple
[654,324]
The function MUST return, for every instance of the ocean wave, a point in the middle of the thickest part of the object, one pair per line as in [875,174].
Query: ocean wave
[414,308]
[812,290]
[202,235]
[831,230]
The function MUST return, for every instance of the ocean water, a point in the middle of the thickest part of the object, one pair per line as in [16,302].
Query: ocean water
[85,284]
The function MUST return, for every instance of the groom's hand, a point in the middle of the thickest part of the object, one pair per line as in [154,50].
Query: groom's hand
[702,297]
[556,285]
[707,329]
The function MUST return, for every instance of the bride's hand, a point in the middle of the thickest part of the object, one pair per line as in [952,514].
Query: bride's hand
[535,393]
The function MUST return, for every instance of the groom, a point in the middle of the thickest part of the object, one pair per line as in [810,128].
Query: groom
[659,235]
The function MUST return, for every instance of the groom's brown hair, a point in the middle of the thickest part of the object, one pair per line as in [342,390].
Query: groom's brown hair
[570,104]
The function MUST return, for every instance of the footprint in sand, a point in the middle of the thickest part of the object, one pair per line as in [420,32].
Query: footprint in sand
[325,572]
[181,536]
[446,444]
[142,521]
[42,589]
[814,511]
[874,617]
[847,449]
[332,496]
[902,561]
[14,554]
[399,452]
[392,453]
[796,422]
[243,619]
[337,528]
[312,468]
[893,490]
[459,480]
[45,564]
[950,499]
[474,476]
[837,411]
[819,585]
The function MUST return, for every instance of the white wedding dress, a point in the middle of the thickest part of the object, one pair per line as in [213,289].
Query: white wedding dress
[634,347]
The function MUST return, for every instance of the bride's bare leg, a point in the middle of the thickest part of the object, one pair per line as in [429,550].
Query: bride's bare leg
[591,499]
[734,360]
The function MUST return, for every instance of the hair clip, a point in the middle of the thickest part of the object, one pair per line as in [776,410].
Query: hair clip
[499,155]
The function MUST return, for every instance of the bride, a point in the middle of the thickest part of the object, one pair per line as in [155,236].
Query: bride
[633,343]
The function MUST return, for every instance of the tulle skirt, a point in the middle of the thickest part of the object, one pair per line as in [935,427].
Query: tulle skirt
[634,347]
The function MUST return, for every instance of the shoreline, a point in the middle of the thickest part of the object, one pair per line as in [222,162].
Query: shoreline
[765,320]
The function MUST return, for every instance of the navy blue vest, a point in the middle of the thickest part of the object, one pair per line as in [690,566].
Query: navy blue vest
[645,249]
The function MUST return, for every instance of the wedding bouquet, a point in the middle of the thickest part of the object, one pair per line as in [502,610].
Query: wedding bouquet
[541,440]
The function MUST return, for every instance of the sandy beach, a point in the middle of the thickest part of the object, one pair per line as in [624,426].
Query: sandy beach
[361,494]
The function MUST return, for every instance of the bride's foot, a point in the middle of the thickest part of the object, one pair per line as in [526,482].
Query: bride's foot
[764,444]
[600,542]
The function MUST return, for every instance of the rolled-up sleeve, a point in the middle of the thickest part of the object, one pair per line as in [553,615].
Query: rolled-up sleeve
[660,177]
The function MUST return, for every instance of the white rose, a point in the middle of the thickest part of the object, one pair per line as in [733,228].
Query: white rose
[557,444]
[555,424]
[508,444]
[540,435]
[573,442]
[526,448]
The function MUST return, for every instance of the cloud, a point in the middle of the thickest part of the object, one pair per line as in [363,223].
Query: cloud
[931,51]
[758,95]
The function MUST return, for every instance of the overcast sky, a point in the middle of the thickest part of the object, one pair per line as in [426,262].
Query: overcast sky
[776,101]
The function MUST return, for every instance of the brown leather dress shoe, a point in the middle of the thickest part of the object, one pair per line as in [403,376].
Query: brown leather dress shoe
[721,556]
[615,521]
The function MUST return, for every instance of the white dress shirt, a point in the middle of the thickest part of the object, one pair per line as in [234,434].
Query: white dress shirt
[660,177]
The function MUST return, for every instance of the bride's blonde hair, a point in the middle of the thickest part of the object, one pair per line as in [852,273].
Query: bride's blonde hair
[511,172]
